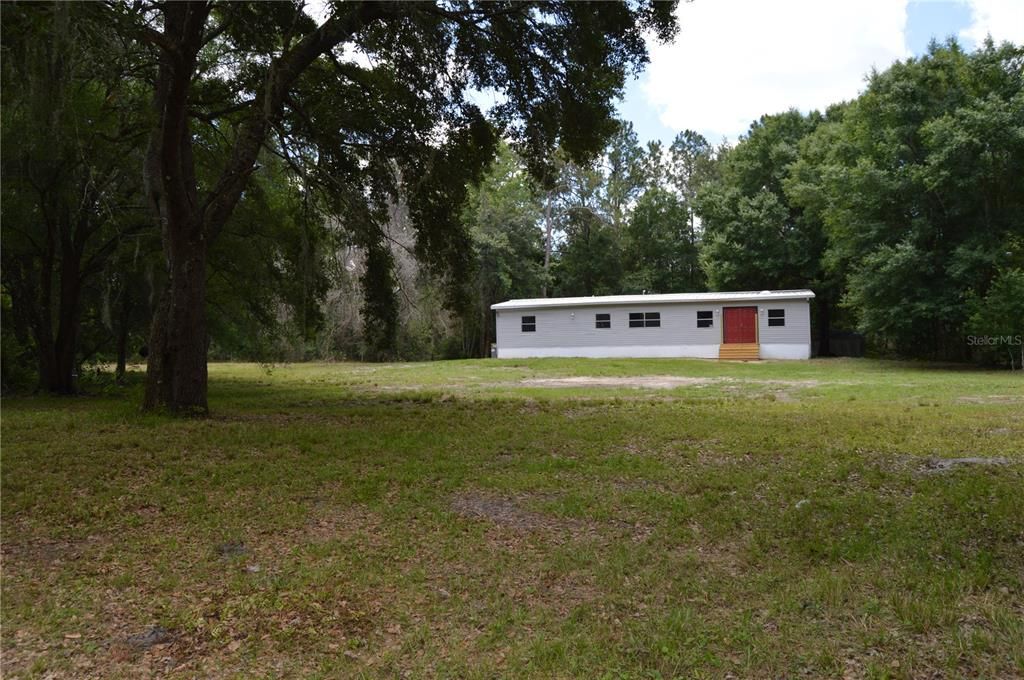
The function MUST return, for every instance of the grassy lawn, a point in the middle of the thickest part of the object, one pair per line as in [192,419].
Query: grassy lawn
[548,518]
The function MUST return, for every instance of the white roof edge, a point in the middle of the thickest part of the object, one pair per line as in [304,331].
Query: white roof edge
[664,298]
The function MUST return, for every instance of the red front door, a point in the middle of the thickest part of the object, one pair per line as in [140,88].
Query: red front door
[740,324]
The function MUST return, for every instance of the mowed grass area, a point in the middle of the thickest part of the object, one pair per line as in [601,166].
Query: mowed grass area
[546,518]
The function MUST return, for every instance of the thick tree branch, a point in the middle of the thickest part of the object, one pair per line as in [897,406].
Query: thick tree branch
[95,263]
[281,76]
[158,39]
[176,179]
[217,31]
[211,116]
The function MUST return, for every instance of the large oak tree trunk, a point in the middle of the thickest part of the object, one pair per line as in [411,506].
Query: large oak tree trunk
[47,363]
[70,316]
[176,368]
[57,353]
[122,355]
[176,371]
[122,337]
[62,380]
[58,356]
[177,374]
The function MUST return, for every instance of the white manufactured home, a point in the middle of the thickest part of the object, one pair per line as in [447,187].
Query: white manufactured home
[770,324]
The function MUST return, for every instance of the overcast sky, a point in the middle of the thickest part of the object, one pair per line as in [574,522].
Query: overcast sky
[737,59]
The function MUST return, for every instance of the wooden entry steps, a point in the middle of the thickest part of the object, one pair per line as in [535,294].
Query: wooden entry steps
[740,351]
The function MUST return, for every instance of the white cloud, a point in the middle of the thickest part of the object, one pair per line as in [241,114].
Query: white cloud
[735,60]
[1002,19]
[318,9]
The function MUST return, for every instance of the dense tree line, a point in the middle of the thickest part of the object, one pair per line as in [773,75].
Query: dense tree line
[233,180]
[82,268]
[920,190]
[247,141]
[902,209]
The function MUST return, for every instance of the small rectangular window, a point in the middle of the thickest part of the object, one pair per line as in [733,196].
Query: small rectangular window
[603,321]
[529,324]
[645,319]
[705,320]
[776,317]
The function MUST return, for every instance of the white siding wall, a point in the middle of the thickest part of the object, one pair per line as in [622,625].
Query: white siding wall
[571,332]
[792,341]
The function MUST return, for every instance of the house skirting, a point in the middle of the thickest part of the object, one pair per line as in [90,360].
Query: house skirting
[778,350]
[768,351]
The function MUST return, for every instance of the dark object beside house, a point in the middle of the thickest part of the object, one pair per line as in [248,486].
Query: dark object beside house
[843,344]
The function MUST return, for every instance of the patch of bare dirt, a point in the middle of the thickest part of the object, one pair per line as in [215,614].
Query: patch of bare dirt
[49,553]
[796,383]
[660,382]
[940,465]
[156,635]
[401,388]
[934,465]
[142,655]
[992,399]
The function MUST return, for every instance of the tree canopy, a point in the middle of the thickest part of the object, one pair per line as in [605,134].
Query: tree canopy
[922,193]
[220,179]
[346,116]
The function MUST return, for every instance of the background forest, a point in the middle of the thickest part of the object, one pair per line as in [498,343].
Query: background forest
[902,209]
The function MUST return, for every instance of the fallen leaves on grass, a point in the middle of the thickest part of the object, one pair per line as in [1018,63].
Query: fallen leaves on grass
[508,512]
